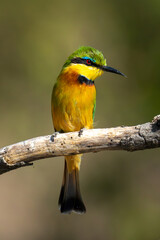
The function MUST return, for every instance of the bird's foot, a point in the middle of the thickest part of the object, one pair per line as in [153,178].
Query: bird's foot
[54,135]
[80,133]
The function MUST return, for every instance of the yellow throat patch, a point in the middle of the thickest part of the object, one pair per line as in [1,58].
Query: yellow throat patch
[88,71]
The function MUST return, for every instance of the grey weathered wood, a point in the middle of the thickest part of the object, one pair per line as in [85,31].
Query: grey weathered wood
[131,138]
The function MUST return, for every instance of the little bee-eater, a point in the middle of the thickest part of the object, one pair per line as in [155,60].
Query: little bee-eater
[73,108]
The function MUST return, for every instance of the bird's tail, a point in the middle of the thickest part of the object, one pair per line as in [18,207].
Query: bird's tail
[70,197]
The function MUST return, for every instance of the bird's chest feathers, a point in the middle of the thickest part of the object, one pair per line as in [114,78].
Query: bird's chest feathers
[78,106]
[73,103]
[79,95]
[76,90]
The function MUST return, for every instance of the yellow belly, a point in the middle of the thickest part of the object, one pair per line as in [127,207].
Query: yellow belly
[72,106]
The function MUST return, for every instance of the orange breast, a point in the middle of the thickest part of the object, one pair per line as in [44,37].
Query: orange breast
[72,103]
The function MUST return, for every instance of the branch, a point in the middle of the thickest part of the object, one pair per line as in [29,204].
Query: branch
[132,138]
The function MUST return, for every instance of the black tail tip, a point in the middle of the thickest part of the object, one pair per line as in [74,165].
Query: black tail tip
[79,206]
[71,204]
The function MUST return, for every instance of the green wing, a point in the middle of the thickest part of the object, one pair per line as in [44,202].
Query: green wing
[94,110]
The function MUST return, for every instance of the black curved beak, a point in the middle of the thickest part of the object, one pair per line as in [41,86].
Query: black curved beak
[113,70]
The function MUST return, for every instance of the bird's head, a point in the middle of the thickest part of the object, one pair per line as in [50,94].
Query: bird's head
[88,62]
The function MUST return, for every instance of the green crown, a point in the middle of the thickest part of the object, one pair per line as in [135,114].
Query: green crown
[83,52]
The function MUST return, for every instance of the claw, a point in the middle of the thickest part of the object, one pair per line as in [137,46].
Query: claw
[53,136]
[80,133]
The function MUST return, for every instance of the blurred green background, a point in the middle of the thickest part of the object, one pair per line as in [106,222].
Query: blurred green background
[121,190]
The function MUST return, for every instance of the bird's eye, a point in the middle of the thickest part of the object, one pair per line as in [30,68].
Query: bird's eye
[88,61]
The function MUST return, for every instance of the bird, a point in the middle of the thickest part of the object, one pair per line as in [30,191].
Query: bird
[73,105]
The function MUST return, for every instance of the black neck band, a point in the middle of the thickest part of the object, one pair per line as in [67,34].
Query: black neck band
[82,79]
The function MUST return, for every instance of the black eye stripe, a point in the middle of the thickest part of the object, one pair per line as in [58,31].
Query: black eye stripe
[78,60]
[84,61]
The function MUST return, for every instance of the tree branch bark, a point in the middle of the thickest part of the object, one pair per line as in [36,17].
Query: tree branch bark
[131,138]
